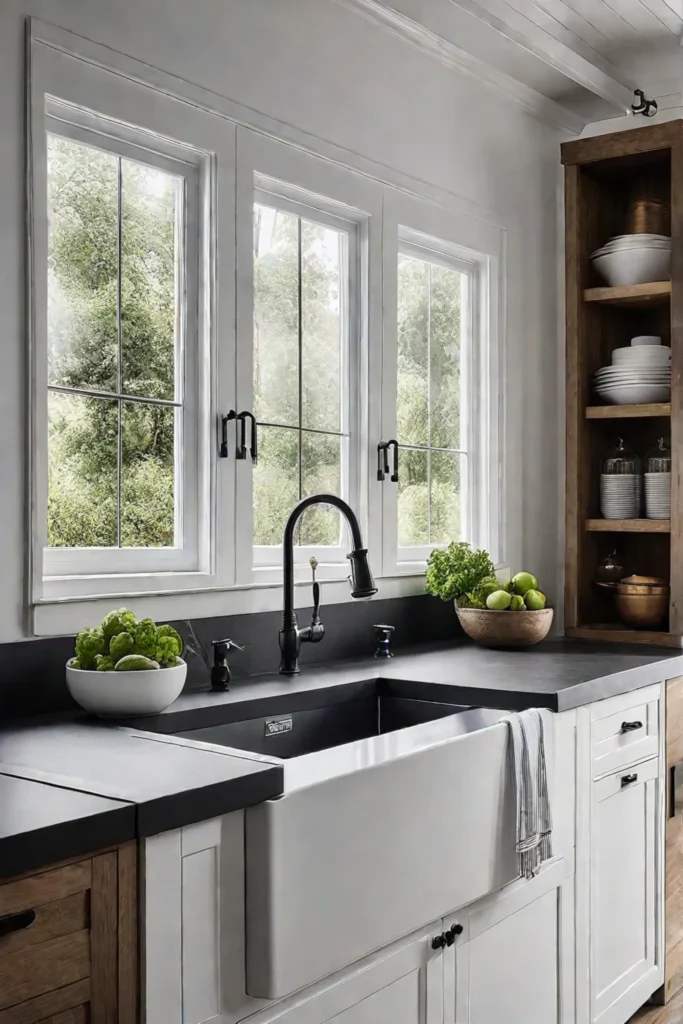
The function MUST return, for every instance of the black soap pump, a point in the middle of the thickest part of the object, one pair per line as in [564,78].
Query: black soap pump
[220,670]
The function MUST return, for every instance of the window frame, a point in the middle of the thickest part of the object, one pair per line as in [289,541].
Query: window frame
[458,241]
[88,129]
[302,182]
[270,556]
[133,119]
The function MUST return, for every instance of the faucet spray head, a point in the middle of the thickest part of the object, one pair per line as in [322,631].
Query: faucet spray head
[362,583]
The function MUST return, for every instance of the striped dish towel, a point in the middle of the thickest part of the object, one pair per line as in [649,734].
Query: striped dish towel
[529,732]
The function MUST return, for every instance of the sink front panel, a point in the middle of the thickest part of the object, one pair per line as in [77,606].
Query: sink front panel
[343,867]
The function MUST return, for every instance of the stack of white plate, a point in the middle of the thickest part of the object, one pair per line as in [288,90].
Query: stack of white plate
[634,259]
[620,495]
[658,495]
[639,373]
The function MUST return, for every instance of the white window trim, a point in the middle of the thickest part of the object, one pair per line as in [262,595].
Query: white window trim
[62,92]
[302,182]
[216,592]
[435,233]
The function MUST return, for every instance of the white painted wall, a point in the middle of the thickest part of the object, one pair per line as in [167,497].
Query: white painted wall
[315,65]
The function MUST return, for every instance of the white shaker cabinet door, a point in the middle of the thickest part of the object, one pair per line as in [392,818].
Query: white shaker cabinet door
[512,962]
[401,986]
[624,892]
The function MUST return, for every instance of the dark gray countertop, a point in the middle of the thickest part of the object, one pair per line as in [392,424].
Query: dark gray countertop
[42,824]
[136,785]
[557,674]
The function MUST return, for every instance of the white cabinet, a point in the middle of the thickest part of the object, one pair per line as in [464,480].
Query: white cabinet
[403,985]
[625,890]
[513,961]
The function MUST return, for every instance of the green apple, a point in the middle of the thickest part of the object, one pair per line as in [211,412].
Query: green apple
[534,600]
[517,603]
[523,581]
[498,601]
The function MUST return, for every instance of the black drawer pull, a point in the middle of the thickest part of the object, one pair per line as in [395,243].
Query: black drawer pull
[626,780]
[16,922]
[631,726]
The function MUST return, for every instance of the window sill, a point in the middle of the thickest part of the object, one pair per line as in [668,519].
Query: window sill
[55,616]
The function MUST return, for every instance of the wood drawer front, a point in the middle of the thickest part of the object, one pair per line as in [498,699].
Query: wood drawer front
[53,1006]
[42,967]
[613,744]
[54,950]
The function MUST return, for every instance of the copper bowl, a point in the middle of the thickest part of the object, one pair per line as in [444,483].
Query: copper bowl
[643,585]
[505,629]
[642,611]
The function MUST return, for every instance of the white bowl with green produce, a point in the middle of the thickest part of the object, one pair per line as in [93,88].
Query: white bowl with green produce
[126,667]
[494,612]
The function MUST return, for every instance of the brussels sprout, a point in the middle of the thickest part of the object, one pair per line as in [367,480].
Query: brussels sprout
[105,663]
[145,637]
[168,649]
[121,645]
[170,631]
[119,621]
[89,643]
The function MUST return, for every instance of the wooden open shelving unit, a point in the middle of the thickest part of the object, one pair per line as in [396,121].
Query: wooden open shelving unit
[602,177]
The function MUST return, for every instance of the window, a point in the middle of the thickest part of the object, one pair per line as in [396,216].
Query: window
[303,365]
[121,295]
[431,406]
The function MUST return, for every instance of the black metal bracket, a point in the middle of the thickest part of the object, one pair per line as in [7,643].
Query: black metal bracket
[641,105]
[383,460]
[241,448]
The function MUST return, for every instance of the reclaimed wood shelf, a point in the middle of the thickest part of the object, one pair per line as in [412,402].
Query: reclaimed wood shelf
[616,633]
[629,525]
[627,412]
[606,177]
[653,293]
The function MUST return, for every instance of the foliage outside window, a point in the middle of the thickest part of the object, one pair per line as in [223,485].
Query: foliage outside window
[301,369]
[114,336]
[432,314]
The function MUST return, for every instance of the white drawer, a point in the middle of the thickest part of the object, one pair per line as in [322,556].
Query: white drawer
[624,729]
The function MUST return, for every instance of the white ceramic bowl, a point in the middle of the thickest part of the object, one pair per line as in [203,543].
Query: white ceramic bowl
[646,339]
[634,266]
[635,394]
[124,694]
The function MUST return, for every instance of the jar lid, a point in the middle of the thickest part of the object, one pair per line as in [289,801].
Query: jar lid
[620,460]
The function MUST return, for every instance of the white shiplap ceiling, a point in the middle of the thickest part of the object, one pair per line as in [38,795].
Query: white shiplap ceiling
[586,56]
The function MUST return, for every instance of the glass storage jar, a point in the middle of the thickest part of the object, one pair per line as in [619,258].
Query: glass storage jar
[621,482]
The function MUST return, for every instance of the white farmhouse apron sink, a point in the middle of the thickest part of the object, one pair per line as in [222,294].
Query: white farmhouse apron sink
[372,838]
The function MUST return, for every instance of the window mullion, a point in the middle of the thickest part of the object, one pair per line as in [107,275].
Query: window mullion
[119,361]
[300,336]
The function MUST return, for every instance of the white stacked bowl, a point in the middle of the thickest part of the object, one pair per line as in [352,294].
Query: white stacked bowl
[634,259]
[639,373]
[658,495]
[620,495]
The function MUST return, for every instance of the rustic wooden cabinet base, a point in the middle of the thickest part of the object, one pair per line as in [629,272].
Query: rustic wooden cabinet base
[71,954]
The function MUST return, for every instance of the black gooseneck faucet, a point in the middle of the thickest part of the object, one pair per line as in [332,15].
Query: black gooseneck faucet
[362,583]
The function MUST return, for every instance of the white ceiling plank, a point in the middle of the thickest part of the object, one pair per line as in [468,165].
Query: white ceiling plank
[453,56]
[666,13]
[503,19]
[638,14]
[538,15]
[607,21]
[575,22]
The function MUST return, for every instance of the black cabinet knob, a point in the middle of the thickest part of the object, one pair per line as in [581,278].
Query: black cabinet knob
[439,941]
[631,726]
[453,931]
[626,780]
